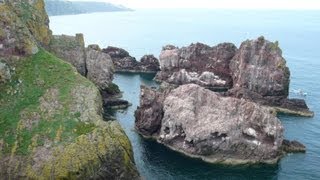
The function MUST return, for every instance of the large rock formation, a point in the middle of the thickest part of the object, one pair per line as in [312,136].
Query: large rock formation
[123,62]
[51,119]
[256,71]
[71,49]
[260,74]
[200,123]
[199,64]
[99,67]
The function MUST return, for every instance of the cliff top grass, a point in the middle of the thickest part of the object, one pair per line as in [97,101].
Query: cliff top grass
[34,106]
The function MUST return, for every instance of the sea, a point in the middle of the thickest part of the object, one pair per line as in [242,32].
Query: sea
[146,31]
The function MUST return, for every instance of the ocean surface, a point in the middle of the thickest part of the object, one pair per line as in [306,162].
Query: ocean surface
[146,31]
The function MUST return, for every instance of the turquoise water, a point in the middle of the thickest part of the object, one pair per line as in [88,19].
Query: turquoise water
[144,32]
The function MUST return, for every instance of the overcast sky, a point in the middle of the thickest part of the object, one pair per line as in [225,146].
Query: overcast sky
[222,4]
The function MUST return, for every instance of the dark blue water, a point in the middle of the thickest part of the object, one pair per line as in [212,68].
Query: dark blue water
[143,32]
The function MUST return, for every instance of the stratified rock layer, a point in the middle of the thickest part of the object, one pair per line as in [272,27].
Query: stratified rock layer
[197,63]
[200,123]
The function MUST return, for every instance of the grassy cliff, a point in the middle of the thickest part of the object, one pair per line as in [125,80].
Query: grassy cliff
[50,116]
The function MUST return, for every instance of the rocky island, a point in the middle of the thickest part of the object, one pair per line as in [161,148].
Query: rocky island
[220,103]
[50,114]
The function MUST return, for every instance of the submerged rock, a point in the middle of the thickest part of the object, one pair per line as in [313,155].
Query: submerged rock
[123,62]
[200,123]
[197,63]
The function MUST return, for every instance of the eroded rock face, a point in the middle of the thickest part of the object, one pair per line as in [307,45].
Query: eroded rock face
[35,17]
[123,62]
[200,123]
[71,49]
[259,67]
[150,113]
[15,37]
[99,67]
[197,63]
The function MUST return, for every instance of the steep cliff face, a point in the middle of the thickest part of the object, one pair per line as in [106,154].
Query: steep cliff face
[15,38]
[32,13]
[259,66]
[50,115]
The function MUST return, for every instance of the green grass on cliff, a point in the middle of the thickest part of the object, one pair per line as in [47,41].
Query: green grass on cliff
[20,104]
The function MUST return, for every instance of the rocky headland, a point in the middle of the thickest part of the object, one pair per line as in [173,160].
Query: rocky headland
[50,115]
[256,72]
[123,62]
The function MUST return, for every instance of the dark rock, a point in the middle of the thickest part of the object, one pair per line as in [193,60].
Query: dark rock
[116,53]
[123,62]
[198,63]
[293,146]
[149,63]
[115,103]
[150,113]
[200,123]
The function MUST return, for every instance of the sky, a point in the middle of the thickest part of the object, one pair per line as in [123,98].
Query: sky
[217,4]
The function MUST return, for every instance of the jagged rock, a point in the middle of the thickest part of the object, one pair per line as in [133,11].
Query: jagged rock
[5,74]
[293,146]
[259,67]
[149,63]
[123,62]
[70,49]
[197,63]
[260,75]
[116,53]
[99,67]
[150,112]
[200,123]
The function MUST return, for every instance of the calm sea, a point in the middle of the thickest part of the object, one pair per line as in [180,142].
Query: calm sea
[146,31]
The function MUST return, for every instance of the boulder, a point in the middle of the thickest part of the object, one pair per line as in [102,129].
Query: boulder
[71,49]
[197,63]
[149,63]
[200,123]
[99,67]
